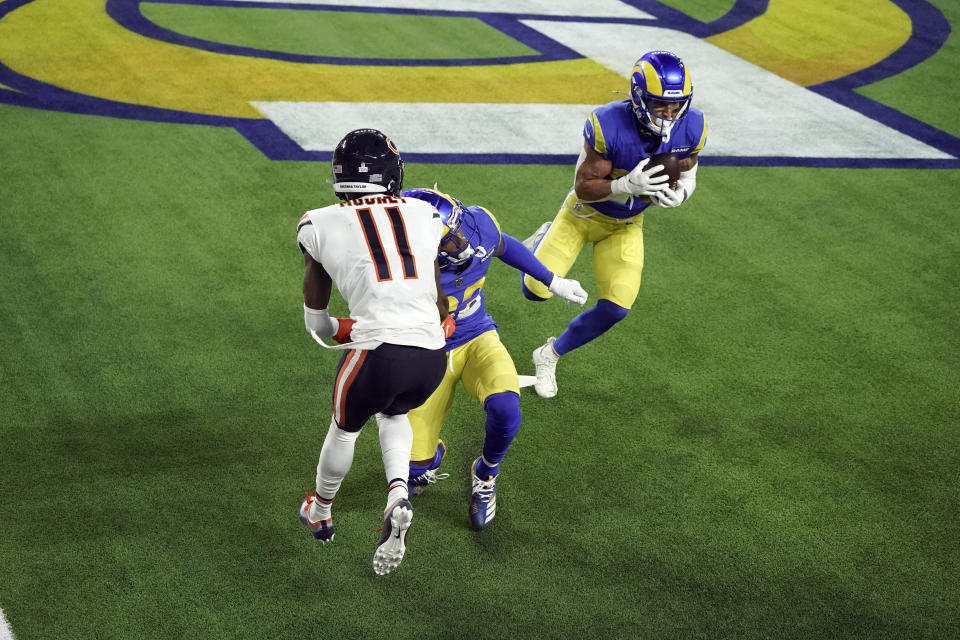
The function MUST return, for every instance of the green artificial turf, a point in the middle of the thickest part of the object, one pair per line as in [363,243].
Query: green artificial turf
[702,10]
[765,448]
[337,33]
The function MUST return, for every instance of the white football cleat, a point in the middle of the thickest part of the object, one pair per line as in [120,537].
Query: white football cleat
[531,242]
[545,360]
[393,537]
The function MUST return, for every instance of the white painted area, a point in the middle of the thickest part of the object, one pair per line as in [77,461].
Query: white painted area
[594,8]
[5,633]
[425,127]
[750,111]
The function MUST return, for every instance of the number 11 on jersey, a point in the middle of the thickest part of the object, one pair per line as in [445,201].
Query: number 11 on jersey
[372,235]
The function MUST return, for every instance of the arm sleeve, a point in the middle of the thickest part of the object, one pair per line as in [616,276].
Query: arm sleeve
[519,257]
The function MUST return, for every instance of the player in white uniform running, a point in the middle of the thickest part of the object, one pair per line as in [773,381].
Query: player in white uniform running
[380,250]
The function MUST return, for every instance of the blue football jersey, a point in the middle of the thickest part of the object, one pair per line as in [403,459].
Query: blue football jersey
[464,288]
[614,133]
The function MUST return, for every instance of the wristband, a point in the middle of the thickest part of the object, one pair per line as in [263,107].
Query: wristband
[319,321]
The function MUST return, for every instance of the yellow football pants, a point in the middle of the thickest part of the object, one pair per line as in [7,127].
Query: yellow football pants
[484,367]
[617,250]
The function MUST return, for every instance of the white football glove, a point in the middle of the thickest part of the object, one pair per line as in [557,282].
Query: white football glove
[569,290]
[669,198]
[640,182]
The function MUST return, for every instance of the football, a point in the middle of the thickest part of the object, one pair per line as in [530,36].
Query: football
[671,166]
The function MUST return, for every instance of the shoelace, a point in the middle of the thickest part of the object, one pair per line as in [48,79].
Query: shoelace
[427,477]
[484,487]
[548,356]
[432,476]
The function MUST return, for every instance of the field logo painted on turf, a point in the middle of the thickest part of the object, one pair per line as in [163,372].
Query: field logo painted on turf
[798,108]
[5,633]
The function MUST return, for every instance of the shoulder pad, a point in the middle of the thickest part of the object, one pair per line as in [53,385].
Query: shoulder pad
[491,216]
[304,221]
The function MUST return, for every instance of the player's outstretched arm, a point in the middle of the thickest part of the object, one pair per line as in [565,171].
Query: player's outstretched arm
[512,252]
[569,290]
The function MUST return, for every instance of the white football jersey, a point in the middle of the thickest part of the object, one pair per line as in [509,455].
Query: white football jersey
[380,252]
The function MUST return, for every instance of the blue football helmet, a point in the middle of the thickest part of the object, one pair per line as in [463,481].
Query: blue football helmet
[660,78]
[459,229]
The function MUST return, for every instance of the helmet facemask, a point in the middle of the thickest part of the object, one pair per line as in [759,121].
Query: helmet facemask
[457,243]
[646,112]
[455,247]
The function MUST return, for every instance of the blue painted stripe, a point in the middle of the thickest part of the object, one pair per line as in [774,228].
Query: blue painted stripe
[45,96]
[742,12]
[9,5]
[930,31]
[127,14]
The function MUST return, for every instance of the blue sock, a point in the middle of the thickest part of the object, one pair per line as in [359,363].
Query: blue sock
[503,422]
[418,469]
[589,325]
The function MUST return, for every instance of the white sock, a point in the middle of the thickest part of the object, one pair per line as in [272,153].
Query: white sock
[396,440]
[336,458]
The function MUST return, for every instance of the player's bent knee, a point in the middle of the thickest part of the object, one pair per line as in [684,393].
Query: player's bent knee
[528,294]
[613,313]
[503,409]
[349,428]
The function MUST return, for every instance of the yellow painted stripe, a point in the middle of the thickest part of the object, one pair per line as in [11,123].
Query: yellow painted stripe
[813,42]
[74,45]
